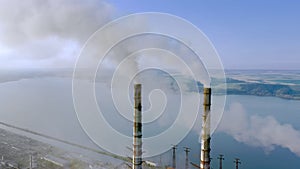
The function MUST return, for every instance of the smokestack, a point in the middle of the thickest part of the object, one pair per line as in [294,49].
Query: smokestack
[205,138]
[137,128]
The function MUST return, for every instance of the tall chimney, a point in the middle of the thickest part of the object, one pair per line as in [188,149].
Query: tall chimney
[137,128]
[205,138]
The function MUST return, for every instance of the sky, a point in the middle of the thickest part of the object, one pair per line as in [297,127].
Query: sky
[247,34]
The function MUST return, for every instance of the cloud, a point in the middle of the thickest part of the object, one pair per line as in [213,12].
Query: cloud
[265,132]
[48,33]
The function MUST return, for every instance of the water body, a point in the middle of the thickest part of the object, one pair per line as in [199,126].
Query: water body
[45,105]
[285,112]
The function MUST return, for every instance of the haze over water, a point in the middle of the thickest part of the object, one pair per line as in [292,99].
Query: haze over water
[50,111]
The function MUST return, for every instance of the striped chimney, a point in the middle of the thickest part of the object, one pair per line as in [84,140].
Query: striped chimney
[205,135]
[137,128]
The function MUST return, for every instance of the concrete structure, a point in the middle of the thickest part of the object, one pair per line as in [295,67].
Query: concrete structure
[205,135]
[137,128]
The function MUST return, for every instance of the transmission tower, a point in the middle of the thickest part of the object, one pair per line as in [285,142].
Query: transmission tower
[174,156]
[221,158]
[237,162]
[187,150]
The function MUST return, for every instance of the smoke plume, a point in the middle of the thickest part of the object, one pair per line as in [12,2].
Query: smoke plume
[265,132]
[47,33]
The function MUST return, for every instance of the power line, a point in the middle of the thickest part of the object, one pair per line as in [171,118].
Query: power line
[63,141]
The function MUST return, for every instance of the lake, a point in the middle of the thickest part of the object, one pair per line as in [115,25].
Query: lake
[45,105]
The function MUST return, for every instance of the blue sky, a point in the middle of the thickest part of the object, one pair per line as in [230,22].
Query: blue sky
[247,34]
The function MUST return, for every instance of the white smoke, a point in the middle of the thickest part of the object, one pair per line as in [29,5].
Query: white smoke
[264,132]
[47,33]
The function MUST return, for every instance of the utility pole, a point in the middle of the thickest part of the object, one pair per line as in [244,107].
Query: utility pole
[187,150]
[30,162]
[237,162]
[174,155]
[221,158]
[160,160]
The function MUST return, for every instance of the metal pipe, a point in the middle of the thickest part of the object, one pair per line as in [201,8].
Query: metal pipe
[205,137]
[137,128]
